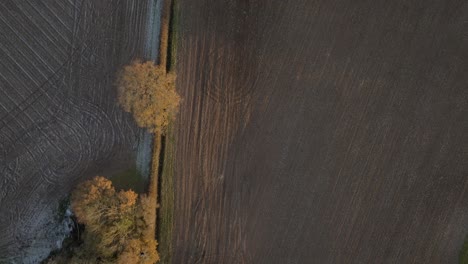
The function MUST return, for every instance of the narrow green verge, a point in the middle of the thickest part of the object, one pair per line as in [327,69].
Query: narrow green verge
[173,34]
[464,252]
[166,210]
[166,177]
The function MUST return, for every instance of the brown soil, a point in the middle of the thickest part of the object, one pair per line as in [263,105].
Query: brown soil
[321,132]
[59,121]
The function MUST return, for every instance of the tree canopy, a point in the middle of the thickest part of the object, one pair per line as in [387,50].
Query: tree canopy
[148,91]
[116,225]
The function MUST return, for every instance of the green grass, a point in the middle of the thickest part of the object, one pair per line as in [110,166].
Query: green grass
[166,199]
[173,33]
[166,210]
[464,253]
[129,179]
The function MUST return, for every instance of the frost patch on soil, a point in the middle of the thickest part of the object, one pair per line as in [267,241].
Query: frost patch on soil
[144,153]
[49,238]
[153,30]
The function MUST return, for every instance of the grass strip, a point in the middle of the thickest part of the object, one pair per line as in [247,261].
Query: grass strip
[154,180]
[166,211]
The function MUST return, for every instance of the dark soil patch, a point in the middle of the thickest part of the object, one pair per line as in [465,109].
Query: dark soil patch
[59,120]
[321,132]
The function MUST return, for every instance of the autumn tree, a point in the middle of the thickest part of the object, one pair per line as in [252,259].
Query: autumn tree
[148,92]
[116,225]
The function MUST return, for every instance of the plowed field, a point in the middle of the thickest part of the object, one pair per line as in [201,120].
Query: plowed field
[59,121]
[322,131]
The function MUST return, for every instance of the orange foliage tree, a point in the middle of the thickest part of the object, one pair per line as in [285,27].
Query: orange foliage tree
[116,224]
[148,91]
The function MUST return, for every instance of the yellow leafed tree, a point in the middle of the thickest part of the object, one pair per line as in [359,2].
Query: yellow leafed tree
[148,92]
[116,224]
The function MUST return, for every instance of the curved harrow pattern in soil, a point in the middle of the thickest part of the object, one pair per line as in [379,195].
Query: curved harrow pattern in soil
[59,121]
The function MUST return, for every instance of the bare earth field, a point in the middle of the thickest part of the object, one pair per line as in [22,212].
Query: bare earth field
[59,122]
[322,131]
